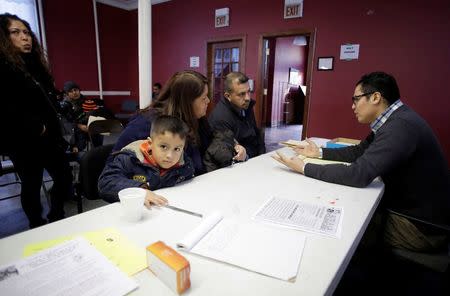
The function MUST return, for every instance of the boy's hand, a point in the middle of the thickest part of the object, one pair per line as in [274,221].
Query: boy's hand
[154,199]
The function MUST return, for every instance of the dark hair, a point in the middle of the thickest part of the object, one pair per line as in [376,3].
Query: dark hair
[228,84]
[13,56]
[167,123]
[177,96]
[69,85]
[158,85]
[380,82]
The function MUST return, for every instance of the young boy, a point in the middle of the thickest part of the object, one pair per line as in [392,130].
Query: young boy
[151,164]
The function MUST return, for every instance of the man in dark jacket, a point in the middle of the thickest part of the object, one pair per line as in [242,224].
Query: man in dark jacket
[403,150]
[235,112]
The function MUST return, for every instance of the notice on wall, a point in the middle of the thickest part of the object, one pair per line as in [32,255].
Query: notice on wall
[349,52]
[194,62]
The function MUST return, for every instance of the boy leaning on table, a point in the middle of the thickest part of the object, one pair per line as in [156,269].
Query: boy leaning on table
[154,163]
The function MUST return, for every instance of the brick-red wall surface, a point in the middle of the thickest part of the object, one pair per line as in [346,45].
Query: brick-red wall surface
[406,38]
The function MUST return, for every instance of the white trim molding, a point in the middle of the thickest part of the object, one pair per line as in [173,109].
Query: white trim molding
[105,93]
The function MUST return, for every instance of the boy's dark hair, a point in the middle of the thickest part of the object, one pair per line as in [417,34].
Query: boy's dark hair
[158,85]
[167,123]
[381,82]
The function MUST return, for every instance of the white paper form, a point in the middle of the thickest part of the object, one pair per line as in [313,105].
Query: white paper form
[316,218]
[260,248]
[71,268]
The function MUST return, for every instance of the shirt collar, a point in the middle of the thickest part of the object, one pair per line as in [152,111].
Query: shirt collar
[240,112]
[380,120]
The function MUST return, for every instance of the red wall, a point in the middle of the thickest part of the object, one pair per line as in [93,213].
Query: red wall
[70,34]
[408,39]
[72,47]
[118,33]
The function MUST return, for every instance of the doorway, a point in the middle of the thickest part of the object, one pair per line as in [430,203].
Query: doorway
[223,56]
[284,68]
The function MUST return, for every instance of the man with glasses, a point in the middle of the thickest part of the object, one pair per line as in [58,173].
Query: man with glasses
[403,150]
[235,112]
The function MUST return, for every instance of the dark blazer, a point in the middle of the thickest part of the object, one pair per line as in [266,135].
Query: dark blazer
[407,155]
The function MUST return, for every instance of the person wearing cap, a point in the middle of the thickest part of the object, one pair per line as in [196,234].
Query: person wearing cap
[78,108]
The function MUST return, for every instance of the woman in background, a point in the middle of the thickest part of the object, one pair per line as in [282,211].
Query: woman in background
[29,123]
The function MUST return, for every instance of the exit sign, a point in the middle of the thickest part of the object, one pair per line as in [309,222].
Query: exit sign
[293,8]
[222,18]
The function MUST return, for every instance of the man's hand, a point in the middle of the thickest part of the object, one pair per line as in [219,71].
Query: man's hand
[154,199]
[310,150]
[294,162]
[241,153]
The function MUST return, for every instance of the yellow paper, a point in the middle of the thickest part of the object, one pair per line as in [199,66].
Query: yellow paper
[37,247]
[119,249]
[110,242]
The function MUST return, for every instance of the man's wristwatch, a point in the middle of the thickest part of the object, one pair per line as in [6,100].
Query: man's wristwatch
[320,153]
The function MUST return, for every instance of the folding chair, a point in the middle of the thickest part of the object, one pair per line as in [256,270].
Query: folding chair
[91,166]
[106,127]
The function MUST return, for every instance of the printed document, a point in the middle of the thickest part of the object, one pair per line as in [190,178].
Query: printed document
[71,268]
[316,218]
[110,242]
[260,248]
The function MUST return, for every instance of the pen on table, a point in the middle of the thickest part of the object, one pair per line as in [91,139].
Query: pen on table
[183,211]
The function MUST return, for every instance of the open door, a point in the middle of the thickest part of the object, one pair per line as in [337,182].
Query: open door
[285,85]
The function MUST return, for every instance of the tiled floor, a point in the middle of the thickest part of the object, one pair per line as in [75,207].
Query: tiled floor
[12,217]
[274,135]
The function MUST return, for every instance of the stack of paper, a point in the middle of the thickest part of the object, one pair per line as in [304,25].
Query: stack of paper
[110,242]
[70,268]
[256,247]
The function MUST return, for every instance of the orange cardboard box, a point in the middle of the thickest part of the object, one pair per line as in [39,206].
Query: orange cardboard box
[170,266]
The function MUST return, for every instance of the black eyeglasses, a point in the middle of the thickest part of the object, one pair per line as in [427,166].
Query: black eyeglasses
[355,99]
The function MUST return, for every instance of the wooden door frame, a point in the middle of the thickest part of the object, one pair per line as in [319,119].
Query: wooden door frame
[310,67]
[208,45]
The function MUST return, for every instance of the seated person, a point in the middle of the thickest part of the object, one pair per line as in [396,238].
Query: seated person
[403,150]
[77,109]
[185,96]
[154,163]
[156,89]
[235,112]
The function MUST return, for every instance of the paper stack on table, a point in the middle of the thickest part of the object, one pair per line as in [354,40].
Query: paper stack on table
[256,247]
[113,244]
[71,268]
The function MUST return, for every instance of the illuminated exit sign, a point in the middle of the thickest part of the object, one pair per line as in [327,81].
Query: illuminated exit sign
[293,8]
[222,17]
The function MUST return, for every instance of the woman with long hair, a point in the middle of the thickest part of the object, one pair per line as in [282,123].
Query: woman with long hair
[29,123]
[185,96]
